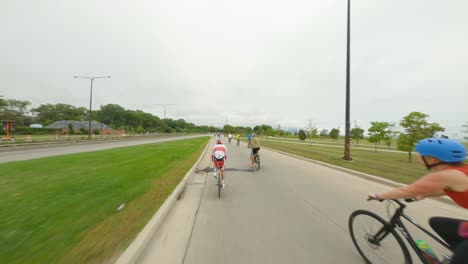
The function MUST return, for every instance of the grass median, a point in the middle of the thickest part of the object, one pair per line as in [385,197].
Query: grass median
[64,209]
[389,165]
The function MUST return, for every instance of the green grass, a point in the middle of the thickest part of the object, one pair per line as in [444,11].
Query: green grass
[393,166]
[63,209]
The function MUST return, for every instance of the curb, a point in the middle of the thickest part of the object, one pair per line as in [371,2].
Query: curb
[360,174]
[134,250]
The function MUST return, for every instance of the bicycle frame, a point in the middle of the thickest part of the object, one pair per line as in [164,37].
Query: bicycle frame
[396,222]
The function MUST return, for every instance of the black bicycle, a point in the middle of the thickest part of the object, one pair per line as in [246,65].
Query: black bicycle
[377,240]
[256,161]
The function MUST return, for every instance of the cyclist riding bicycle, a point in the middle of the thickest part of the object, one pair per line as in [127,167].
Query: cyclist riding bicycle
[450,178]
[218,157]
[238,139]
[255,148]
[249,138]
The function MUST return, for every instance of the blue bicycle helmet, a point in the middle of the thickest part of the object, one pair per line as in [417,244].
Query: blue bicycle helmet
[446,150]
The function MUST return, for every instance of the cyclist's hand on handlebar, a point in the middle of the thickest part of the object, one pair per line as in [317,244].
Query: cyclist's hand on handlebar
[419,197]
[373,196]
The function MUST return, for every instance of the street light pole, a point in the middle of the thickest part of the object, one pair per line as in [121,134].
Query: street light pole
[347,124]
[91,98]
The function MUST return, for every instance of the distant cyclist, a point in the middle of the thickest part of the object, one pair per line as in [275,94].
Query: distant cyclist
[249,138]
[238,139]
[230,138]
[218,157]
[255,148]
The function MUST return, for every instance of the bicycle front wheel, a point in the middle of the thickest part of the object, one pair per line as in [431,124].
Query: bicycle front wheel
[375,240]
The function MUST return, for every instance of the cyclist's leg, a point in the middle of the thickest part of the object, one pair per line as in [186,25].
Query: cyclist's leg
[447,228]
[222,173]
[216,167]
[222,170]
[460,255]
[252,157]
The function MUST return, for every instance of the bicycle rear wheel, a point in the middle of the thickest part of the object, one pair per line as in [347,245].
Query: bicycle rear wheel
[257,162]
[375,240]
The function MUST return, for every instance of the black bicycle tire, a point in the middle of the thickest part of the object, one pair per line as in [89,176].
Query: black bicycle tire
[219,184]
[397,237]
[257,162]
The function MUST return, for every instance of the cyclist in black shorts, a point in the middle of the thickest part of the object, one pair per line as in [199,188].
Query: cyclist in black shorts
[255,148]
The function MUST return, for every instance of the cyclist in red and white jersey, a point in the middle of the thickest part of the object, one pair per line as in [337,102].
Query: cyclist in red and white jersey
[218,156]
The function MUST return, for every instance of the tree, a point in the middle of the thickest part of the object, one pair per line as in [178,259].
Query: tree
[2,104]
[280,132]
[70,129]
[112,115]
[357,133]
[334,133]
[48,113]
[312,132]
[270,132]
[416,128]
[262,130]
[228,129]
[380,131]
[302,135]
[14,110]
[324,133]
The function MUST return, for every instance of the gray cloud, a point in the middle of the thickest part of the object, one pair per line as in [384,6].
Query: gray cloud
[245,62]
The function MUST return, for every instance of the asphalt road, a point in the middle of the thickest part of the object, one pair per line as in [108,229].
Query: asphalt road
[56,150]
[291,211]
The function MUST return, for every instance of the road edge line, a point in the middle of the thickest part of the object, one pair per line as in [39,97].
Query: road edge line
[134,250]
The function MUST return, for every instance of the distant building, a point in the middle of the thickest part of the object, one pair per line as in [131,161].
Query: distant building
[63,126]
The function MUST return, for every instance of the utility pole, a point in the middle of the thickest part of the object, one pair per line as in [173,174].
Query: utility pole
[347,155]
[165,105]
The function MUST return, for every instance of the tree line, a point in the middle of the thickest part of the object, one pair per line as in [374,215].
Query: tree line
[113,115]
[414,127]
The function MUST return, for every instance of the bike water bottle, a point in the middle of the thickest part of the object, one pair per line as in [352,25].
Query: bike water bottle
[446,259]
[427,252]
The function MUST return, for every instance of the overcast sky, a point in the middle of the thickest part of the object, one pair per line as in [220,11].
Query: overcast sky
[245,62]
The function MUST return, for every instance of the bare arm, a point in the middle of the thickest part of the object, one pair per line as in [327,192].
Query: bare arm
[430,185]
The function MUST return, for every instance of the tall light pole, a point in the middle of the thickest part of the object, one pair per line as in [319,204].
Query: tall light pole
[347,124]
[165,105]
[91,98]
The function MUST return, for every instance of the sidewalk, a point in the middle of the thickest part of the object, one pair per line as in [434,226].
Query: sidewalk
[165,238]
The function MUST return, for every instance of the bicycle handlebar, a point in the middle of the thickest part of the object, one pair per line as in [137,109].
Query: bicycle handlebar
[398,201]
